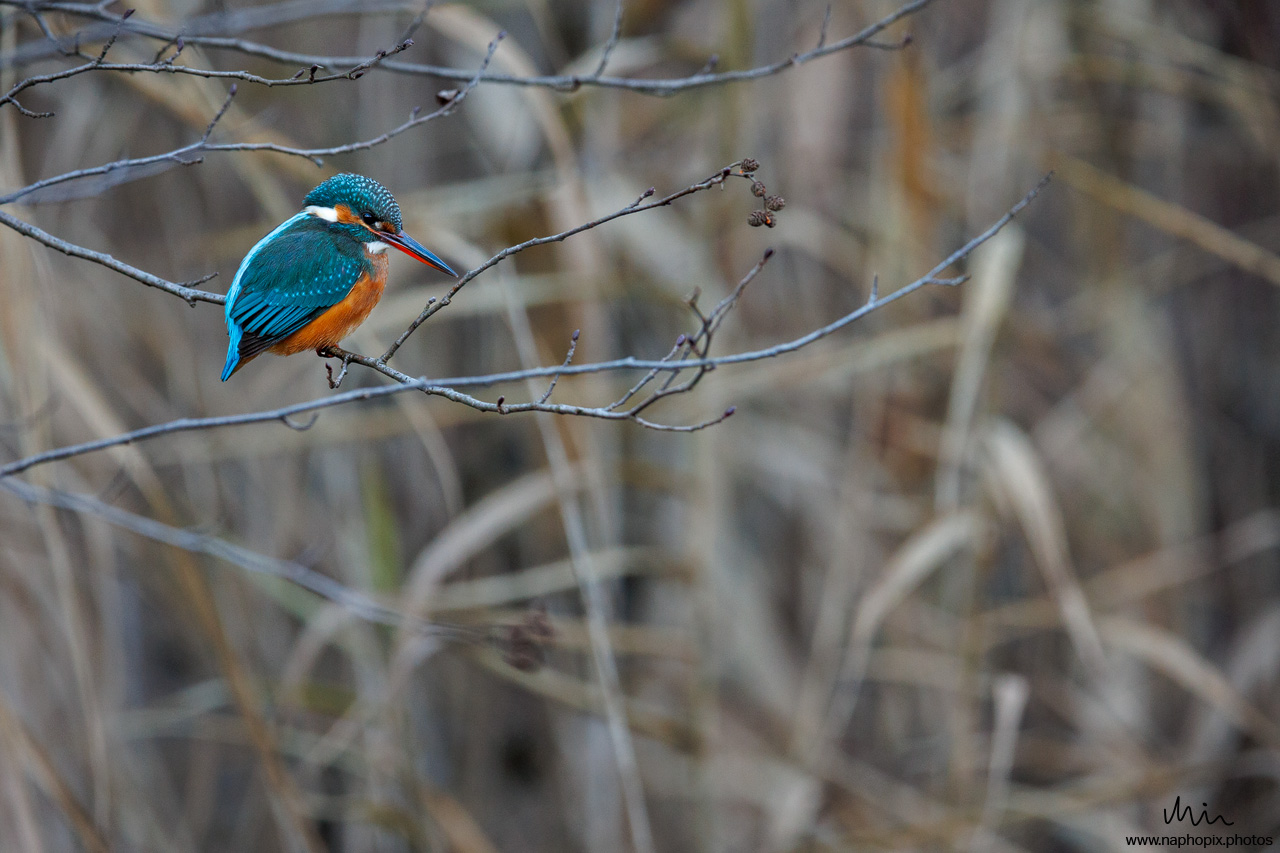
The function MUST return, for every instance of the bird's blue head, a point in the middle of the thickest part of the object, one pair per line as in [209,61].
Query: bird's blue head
[366,211]
[366,200]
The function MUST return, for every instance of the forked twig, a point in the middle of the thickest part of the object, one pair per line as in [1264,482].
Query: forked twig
[448,388]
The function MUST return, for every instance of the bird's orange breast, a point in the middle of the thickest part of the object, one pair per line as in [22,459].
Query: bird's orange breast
[341,320]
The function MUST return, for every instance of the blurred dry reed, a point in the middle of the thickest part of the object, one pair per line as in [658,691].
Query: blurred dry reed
[993,568]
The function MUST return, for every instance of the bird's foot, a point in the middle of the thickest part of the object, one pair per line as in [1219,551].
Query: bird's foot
[335,352]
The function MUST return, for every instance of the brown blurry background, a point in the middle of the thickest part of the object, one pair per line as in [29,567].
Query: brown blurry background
[993,569]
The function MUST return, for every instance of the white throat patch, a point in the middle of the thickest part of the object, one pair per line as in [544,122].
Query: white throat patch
[377,247]
[328,214]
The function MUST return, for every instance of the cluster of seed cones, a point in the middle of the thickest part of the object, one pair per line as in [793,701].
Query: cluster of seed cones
[772,203]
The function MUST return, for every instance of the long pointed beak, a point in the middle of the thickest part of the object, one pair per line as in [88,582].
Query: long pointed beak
[414,249]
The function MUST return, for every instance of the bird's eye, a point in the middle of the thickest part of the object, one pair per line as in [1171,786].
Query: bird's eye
[369,219]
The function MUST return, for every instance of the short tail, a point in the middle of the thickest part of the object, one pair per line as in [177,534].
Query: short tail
[233,353]
[232,365]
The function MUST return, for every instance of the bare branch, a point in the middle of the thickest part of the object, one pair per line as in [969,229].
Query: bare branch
[167,66]
[560,82]
[186,155]
[190,540]
[612,43]
[698,344]
[568,359]
[649,377]
[635,207]
[184,290]
[728,413]
[193,424]
[213,122]
[415,119]
[448,387]
[724,306]
[49,36]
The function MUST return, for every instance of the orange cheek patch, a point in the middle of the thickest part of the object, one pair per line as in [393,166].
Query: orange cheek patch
[346,216]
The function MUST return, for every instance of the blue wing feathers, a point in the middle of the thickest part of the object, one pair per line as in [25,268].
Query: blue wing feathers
[292,276]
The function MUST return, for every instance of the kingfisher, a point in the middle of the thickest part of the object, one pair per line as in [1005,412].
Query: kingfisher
[311,281]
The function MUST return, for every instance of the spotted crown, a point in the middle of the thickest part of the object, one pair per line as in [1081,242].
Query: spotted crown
[361,194]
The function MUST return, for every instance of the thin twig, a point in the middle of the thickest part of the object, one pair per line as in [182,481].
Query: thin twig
[648,377]
[614,35]
[184,291]
[49,36]
[194,424]
[415,119]
[560,82]
[728,413]
[448,387]
[217,117]
[190,540]
[724,306]
[699,343]
[167,66]
[635,207]
[568,359]
[316,155]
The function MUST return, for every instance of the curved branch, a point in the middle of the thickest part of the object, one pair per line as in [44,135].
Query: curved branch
[448,387]
[167,66]
[435,305]
[184,290]
[188,154]
[559,82]
[190,540]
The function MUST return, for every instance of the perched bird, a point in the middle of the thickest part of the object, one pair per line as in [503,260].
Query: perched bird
[310,282]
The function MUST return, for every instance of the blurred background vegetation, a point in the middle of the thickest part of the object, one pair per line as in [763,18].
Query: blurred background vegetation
[994,569]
